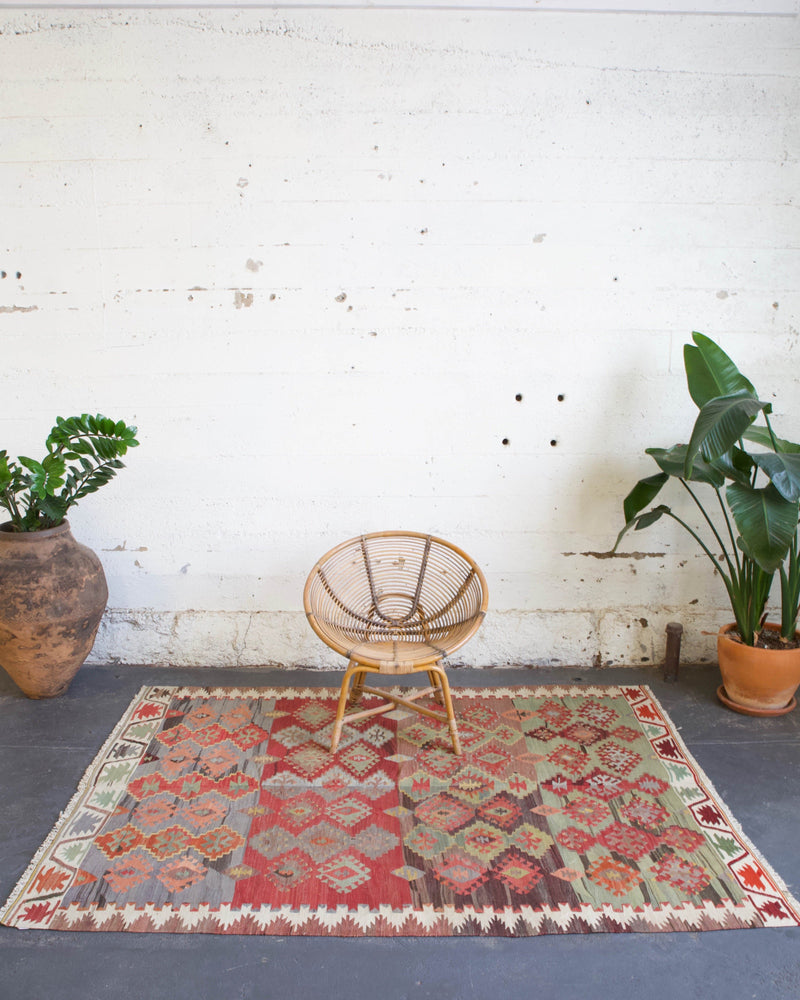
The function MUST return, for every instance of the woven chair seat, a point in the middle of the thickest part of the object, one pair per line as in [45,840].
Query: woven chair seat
[395,602]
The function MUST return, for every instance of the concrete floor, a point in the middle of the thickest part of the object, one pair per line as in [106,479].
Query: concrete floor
[45,747]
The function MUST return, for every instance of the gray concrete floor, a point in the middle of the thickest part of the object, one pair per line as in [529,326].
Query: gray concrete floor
[45,746]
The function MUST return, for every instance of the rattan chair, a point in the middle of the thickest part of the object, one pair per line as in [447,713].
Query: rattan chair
[395,602]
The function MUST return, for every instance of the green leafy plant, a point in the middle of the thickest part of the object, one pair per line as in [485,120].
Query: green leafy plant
[83,454]
[750,529]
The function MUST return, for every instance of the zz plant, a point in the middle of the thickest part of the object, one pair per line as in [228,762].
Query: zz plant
[83,454]
[749,530]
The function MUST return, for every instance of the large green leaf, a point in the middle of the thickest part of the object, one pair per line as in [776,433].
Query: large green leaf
[672,461]
[735,464]
[783,471]
[720,424]
[762,436]
[766,521]
[710,372]
[640,521]
[642,495]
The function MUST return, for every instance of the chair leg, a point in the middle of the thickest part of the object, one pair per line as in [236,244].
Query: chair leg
[433,677]
[358,687]
[448,704]
[353,668]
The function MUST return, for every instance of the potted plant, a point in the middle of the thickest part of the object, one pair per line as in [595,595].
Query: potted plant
[54,589]
[749,530]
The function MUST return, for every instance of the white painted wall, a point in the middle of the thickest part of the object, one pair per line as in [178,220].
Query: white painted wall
[316,254]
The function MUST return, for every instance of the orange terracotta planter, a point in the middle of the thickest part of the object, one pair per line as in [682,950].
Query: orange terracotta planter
[53,596]
[757,681]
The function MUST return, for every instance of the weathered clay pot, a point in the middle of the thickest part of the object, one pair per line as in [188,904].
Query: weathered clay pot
[53,592]
[757,681]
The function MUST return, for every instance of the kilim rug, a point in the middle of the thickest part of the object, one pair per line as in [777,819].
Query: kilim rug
[572,810]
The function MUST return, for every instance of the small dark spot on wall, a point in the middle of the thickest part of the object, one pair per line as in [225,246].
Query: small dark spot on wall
[518,397]
[272,297]
[506,442]
[560,397]
[341,297]
[19,275]
[2,274]
[423,232]
[553,442]
[775,305]
[643,622]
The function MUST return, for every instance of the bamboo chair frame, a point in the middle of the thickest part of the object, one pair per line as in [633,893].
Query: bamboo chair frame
[395,602]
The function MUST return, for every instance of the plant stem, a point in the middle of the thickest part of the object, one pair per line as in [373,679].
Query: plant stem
[733,569]
[703,546]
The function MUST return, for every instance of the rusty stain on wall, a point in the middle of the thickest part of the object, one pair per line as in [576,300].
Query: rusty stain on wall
[242,299]
[618,555]
[18,309]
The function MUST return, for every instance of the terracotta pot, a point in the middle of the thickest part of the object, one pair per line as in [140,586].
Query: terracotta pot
[53,596]
[757,681]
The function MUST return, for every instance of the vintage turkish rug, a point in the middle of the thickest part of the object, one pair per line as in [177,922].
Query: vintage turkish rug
[572,810]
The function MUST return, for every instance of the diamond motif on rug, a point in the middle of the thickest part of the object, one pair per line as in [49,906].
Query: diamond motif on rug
[344,872]
[288,870]
[517,871]
[427,841]
[460,873]
[349,810]
[181,874]
[359,758]
[482,841]
[409,873]
[444,812]
[615,877]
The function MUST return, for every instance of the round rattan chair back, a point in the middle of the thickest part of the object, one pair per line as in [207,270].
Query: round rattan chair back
[395,586]
[395,602]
